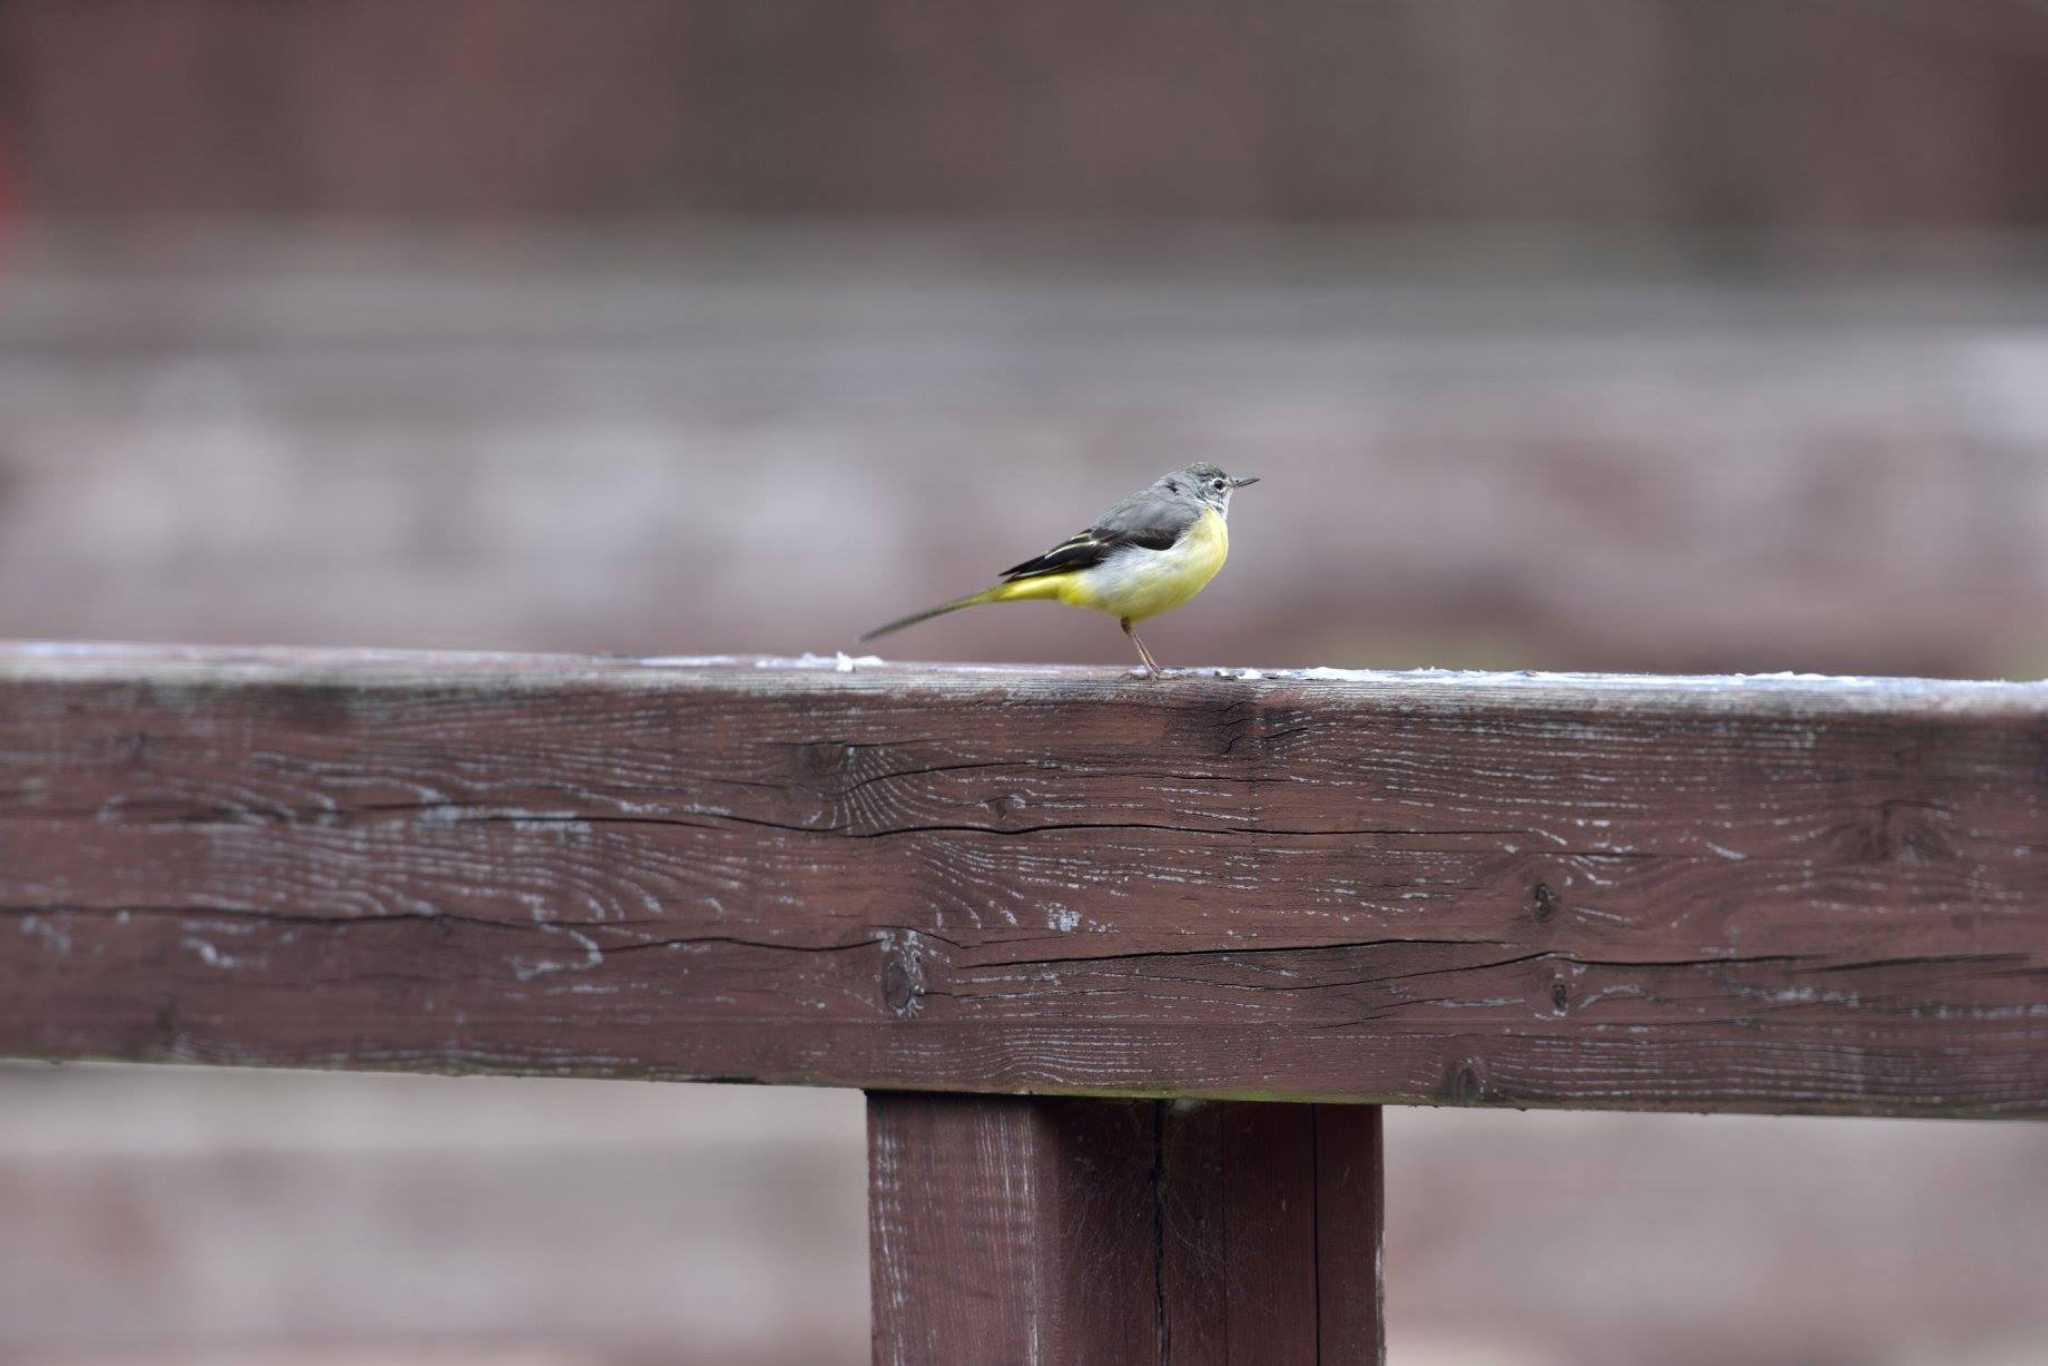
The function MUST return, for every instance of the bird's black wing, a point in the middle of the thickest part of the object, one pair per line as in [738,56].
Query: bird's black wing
[1076,552]
[1143,519]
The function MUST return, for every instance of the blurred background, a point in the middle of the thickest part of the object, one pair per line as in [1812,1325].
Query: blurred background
[1615,334]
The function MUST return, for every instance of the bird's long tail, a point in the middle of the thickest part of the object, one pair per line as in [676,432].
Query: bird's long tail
[1016,590]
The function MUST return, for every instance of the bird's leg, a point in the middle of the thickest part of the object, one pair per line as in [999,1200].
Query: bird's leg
[1151,665]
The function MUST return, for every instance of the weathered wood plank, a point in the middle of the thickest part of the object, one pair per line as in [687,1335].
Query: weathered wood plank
[1776,894]
[1013,1229]
[1009,1229]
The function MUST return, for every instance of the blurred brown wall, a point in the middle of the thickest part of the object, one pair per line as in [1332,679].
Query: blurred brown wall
[1734,117]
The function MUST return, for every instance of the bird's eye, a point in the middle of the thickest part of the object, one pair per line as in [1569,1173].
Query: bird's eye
[1215,483]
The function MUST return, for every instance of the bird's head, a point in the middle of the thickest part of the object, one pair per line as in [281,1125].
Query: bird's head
[1207,483]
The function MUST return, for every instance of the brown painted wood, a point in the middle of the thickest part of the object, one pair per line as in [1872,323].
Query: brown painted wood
[1074,1230]
[1012,1229]
[1778,894]
[1350,1227]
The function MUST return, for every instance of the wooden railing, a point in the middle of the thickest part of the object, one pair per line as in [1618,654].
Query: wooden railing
[1072,901]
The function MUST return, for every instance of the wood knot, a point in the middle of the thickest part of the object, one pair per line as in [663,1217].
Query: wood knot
[1906,832]
[902,973]
[824,758]
[1560,997]
[1546,901]
[1465,1083]
[1003,803]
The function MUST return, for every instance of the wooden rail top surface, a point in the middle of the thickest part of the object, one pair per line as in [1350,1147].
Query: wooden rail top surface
[1771,894]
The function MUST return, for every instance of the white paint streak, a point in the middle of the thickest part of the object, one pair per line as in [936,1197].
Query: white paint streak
[38,928]
[526,969]
[214,958]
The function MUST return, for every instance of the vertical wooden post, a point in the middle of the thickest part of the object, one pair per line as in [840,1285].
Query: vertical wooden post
[1008,1228]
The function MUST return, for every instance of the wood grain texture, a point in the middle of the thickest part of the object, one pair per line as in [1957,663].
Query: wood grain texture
[1006,1229]
[1778,894]
[1012,1229]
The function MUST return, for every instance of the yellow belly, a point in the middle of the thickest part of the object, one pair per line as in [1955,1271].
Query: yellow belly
[1143,583]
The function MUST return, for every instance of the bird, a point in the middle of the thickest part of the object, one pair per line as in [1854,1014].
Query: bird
[1149,553]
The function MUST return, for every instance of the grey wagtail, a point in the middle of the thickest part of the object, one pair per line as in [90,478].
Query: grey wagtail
[1148,554]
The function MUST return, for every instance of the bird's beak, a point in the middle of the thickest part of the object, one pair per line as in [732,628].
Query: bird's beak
[1241,480]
